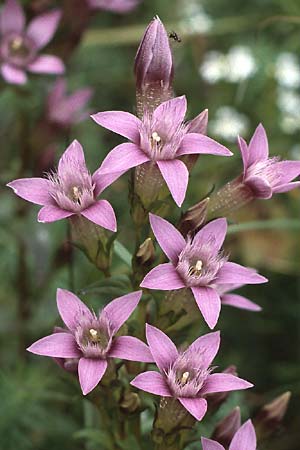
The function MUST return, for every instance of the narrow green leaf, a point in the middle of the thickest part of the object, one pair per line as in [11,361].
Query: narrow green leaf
[275,224]
[123,253]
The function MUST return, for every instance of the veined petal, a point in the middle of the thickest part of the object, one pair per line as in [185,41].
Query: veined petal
[244,152]
[122,158]
[208,444]
[47,64]
[90,372]
[13,75]
[130,348]
[75,154]
[287,170]
[208,346]
[169,238]
[213,233]
[286,187]
[209,303]
[224,382]
[164,277]
[51,213]
[152,382]
[235,273]
[244,438]
[195,143]
[120,122]
[102,214]
[195,406]
[162,348]
[71,308]
[57,345]
[198,124]
[176,175]
[258,149]
[260,186]
[35,190]
[239,302]
[103,181]
[42,28]
[12,17]
[171,112]
[121,308]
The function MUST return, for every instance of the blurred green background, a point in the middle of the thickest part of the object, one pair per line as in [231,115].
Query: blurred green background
[241,60]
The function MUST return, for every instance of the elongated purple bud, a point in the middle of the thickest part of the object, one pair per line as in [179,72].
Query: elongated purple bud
[227,427]
[269,418]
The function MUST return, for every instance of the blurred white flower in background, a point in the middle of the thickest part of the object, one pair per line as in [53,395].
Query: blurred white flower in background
[214,67]
[295,151]
[193,18]
[287,70]
[288,102]
[228,123]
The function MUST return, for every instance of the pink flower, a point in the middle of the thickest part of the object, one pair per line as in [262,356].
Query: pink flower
[91,338]
[65,110]
[71,190]
[198,264]
[244,439]
[19,48]
[119,6]
[160,138]
[263,175]
[186,375]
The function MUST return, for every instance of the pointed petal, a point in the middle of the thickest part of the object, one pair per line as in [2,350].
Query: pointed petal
[51,213]
[245,438]
[35,190]
[42,28]
[13,74]
[152,382]
[164,277]
[213,233]
[90,372]
[57,345]
[130,348]
[286,187]
[12,17]
[198,124]
[169,238]
[122,158]
[234,273]
[244,152]
[102,214]
[258,148]
[74,154]
[71,308]
[208,444]
[224,382]
[162,348]
[47,64]
[195,143]
[209,303]
[287,170]
[176,176]
[57,93]
[102,181]
[171,112]
[208,346]
[260,186]
[195,406]
[121,308]
[120,122]
[239,302]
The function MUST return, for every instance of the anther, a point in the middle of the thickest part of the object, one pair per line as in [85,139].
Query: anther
[184,378]
[17,43]
[155,137]
[76,193]
[196,270]
[94,334]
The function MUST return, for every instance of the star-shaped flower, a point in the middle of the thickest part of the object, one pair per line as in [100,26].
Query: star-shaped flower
[244,439]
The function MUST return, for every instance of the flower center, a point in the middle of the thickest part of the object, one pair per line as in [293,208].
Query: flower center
[76,193]
[196,269]
[18,48]
[155,137]
[184,378]
[94,337]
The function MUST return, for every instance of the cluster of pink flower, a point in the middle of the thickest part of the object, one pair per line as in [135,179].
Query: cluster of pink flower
[160,146]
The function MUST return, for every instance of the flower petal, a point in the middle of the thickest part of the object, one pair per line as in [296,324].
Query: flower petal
[51,213]
[122,158]
[102,214]
[12,17]
[162,348]
[74,154]
[169,238]
[171,113]
[90,372]
[286,187]
[208,346]
[102,181]
[213,234]
[47,64]
[35,190]
[195,143]
[130,348]
[235,273]
[71,308]
[164,277]
[176,175]
[120,122]
[260,186]
[258,149]
[209,303]
[198,124]
[57,345]
[224,382]
[42,28]
[244,152]
[57,93]
[195,406]
[121,308]
[245,438]
[287,170]
[13,74]
[239,302]
[119,6]
[152,382]
[208,444]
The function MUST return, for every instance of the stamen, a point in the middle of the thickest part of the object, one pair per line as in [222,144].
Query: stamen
[16,44]
[155,137]
[94,335]
[196,270]
[184,378]
[76,194]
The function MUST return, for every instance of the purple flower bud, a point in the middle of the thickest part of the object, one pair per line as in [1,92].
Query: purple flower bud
[270,416]
[227,427]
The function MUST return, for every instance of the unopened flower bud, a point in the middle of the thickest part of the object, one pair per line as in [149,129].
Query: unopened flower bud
[227,427]
[194,217]
[130,402]
[271,415]
[216,400]
[146,252]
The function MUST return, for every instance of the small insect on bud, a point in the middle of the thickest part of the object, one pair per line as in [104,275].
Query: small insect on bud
[173,35]
[269,418]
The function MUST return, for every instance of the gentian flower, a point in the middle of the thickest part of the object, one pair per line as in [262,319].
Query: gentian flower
[71,190]
[118,6]
[65,110]
[266,176]
[244,439]
[197,264]
[160,139]
[91,338]
[19,47]
[186,375]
